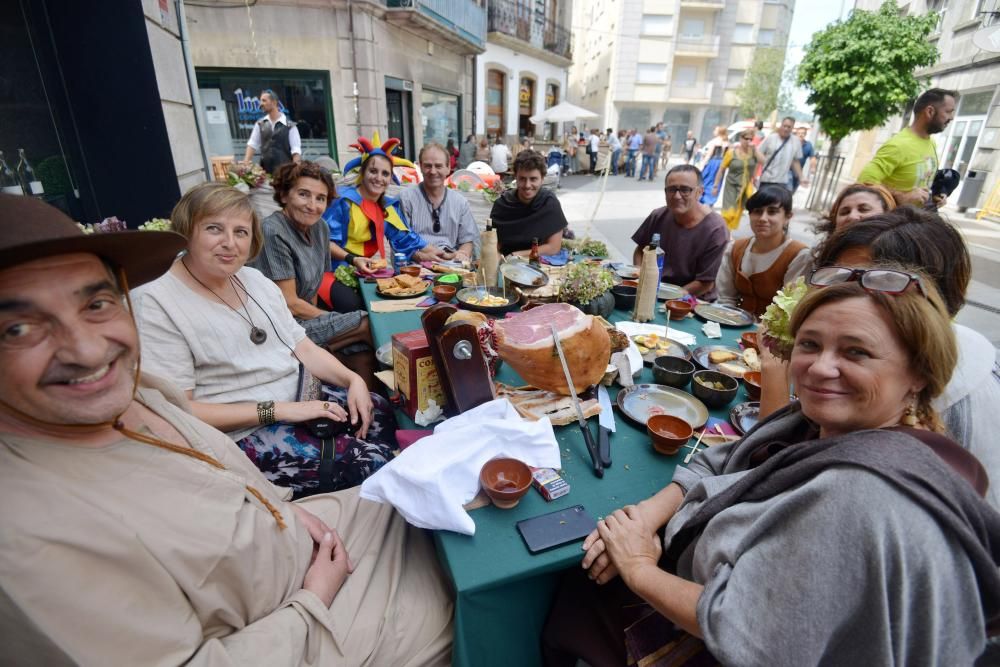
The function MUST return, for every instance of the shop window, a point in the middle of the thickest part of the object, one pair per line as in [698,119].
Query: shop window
[439,117]
[551,99]
[495,83]
[525,107]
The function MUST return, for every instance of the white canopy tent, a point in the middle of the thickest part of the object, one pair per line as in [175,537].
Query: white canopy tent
[564,112]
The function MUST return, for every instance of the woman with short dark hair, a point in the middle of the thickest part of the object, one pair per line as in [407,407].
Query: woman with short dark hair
[529,211]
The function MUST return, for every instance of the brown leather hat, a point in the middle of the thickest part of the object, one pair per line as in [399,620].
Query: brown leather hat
[30,229]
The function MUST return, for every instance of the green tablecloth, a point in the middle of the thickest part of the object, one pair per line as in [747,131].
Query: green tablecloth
[503,592]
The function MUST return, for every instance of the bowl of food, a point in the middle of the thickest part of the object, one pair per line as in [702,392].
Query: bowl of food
[678,309]
[751,382]
[410,270]
[668,433]
[444,293]
[715,389]
[489,300]
[750,341]
[624,297]
[505,481]
[672,371]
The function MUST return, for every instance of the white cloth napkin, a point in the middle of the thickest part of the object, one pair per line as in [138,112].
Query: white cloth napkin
[711,330]
[430,481]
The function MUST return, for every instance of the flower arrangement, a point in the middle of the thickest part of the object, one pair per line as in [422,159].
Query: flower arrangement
[586,246]
[493,192]
[778,316]
[157,225]
[584,282]
[243,176]
[111,224]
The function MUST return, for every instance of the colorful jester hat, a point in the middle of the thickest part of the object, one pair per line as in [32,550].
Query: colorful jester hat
[368,148]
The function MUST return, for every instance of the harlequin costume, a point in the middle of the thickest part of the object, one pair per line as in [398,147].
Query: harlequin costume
[361,227]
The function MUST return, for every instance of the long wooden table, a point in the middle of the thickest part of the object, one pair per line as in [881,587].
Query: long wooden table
[502,592]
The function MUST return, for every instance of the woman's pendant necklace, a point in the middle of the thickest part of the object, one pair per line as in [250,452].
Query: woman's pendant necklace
[257,335]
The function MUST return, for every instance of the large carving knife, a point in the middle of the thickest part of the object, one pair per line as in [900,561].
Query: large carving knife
[588,437]
[607,422]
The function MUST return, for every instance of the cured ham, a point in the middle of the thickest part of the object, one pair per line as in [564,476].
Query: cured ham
[525,342]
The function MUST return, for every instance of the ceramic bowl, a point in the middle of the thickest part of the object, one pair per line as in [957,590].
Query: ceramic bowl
[624,297]
[505,481]
[668,433]
[711,397]
[444,293]
[678,309]
[750,340]
[672,371]
[410,270]
[751,382]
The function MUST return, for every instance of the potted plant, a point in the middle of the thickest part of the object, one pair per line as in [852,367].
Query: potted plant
[588,287]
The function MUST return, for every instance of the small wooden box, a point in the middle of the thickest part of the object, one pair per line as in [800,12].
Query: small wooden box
[416,375]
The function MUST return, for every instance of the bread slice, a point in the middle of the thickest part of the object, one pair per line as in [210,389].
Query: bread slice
[722,356]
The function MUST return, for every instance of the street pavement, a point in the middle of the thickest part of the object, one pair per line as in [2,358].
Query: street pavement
[613,216]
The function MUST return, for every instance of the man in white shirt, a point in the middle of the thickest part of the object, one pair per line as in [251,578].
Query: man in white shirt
[615,144]
[500,157]
[593,146]
[274,136]
[783,152]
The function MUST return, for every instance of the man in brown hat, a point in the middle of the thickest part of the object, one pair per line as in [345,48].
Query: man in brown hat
[136,534]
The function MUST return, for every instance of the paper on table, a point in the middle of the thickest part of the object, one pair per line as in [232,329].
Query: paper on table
[639,328]
[430,481]
[712,329]
[396,305]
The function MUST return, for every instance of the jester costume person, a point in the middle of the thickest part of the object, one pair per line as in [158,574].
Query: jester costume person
[361,227]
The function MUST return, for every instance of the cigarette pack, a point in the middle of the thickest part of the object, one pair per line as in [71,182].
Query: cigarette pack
[549,483]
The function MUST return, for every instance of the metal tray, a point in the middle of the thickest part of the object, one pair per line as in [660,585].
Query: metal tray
[699,356]
[671,349]
[727,316]
[636,402]
[744,416]
[524,275]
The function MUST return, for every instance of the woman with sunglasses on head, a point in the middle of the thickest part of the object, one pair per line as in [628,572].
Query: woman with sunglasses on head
[844,529]
[754,269]
[296,255]
[738,164]
[222,331]
[529,211]
[366,226]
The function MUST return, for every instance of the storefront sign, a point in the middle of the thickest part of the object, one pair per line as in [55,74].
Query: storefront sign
[248,108]
[525,96]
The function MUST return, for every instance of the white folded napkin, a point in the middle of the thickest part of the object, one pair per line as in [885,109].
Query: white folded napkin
[711,330]
[430,481]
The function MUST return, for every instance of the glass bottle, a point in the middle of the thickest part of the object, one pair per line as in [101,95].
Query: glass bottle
[8,179]
[533,258]
[661,256]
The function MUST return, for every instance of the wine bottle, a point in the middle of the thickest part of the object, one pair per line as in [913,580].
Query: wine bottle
[8,180]
[29,182]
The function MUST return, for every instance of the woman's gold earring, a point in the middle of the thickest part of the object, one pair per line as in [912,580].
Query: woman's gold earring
[909,416]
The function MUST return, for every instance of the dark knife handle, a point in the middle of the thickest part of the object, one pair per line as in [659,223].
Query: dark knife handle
[595,458]
[604,446]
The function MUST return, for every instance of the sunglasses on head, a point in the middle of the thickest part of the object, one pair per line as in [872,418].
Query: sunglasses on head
[887,281]
[436,214]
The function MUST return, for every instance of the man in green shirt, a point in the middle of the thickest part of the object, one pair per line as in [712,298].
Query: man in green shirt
[906,164]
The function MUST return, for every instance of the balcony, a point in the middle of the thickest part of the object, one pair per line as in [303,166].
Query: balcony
[704,4]
[519,28]
[697,46]
[459,24]
[693,93]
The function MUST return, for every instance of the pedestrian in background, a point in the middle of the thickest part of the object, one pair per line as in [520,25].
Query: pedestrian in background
[649,143]
[467,153]
[782,150]
[634,143]
[593,146]
[615,145]
[690,146]
[661,135]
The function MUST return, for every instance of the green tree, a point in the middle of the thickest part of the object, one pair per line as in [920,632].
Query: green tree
[860,72]
[758,94]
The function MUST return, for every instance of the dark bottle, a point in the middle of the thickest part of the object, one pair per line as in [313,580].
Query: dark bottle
[26,175]
[533,258]
[8,179]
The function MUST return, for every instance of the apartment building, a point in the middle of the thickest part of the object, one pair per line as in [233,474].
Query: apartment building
[525,67]
[971,142]
[677,61]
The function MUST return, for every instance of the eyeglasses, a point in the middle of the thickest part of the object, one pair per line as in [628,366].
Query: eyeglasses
[683,190]
[888,281]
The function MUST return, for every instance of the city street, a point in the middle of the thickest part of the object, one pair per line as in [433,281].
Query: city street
[626,203]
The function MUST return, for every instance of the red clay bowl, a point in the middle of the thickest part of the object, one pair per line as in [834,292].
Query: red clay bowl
[444,293]
[678,309]
[505,481]
[750,340]
[668,433]
[410,270]
[751,382]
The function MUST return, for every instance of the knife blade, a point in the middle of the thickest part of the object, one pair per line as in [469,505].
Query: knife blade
[606,419]
[588,437]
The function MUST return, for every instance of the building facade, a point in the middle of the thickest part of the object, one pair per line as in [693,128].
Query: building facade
[971,142]
[404,68]
[525,67]
[679,62]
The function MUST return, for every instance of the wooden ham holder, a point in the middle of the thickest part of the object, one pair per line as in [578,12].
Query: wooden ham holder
[461,367]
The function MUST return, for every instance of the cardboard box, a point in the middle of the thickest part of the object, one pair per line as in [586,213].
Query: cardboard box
[416,375]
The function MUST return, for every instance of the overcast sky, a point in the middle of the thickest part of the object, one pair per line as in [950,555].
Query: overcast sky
[811,16]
